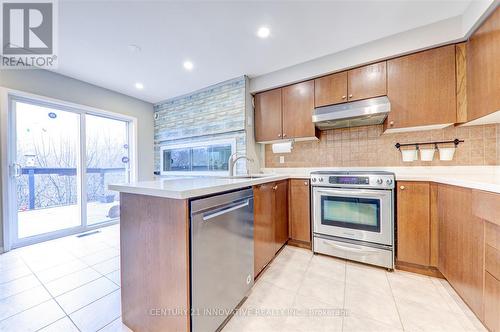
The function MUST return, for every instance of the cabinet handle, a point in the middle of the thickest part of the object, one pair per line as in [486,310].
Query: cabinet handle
[306,183]
[402,187]
[391,123]
[284,135]
[279,135]
[275,187]
[350,96]
[343,97]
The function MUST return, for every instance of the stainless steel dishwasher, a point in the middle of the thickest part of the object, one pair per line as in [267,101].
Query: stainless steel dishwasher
[221,256]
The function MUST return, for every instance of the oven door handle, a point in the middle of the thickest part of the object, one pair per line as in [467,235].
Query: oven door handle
[354,192]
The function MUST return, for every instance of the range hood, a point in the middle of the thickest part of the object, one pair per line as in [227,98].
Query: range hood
[357,113]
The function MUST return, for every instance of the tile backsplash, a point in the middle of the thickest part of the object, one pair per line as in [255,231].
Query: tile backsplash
[369,146]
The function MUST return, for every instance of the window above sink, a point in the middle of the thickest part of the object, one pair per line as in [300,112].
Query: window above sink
[201,157]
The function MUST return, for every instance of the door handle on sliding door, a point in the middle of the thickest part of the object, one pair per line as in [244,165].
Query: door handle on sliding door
[16,170]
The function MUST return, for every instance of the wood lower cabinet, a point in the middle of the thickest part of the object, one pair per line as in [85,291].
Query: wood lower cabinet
[491,302]
[367,81]
[264,238]
[330,90]
[461,245]
[486,205]
[281,214]
[413,222]
[483,69]
[270,221]
[298,108]
[422,89]
[299,209]
[268,121]
[492,276]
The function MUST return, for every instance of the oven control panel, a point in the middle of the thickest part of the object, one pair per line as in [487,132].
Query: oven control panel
[383,180]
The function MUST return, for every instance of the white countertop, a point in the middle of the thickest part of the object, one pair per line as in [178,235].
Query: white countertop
[188,187]
[476,177]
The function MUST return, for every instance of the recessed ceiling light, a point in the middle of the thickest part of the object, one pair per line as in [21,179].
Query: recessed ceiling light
[263,32]
[133,48]
[139,86]
[188,65]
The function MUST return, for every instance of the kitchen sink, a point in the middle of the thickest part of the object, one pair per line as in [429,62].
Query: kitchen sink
[249,177]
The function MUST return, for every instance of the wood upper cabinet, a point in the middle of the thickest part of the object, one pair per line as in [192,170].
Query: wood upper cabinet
[299,207]
[268,120]
[285,113]
[264,238]
[367,82]
[298,107]
[413,222]
[330,90]
[281,214]
[461,245]
[483,69]
[421,88]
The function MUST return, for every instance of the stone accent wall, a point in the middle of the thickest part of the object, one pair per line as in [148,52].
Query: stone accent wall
[368,146]
[214,112]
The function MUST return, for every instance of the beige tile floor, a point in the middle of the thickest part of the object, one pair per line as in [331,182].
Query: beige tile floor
[73,284]
[327,294]
[64,285]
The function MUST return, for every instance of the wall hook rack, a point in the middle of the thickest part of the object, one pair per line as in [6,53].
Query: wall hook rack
[456,141]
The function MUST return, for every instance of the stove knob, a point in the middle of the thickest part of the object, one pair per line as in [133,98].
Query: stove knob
[320,179]
[380,181]
[313,179]
[389,182]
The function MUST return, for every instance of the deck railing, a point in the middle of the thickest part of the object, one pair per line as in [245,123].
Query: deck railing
[32,171]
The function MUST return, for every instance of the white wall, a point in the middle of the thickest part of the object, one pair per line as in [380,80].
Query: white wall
[52,85]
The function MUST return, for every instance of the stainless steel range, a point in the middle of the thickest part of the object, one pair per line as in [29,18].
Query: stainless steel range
[353,216]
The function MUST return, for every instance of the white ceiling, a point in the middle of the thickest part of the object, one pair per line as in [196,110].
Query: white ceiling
[219,38]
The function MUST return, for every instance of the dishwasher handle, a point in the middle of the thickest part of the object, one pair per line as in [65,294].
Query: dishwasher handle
[207,217]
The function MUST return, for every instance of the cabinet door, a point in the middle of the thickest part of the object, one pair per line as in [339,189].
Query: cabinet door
[491,302]
[264,242]
[331,89]
[299,207]
[281,214]
[413,222]
[461,245]
[298,107]
[268,121]
[421,88]
[483,69]
[366,82]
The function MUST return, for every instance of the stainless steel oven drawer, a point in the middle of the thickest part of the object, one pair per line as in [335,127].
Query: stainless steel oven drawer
[354,251]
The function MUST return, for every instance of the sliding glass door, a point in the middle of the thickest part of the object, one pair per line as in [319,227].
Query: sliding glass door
[61,161]
[47,170]
[107,151]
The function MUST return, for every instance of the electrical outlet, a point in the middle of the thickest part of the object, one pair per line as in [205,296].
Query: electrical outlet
[282,159]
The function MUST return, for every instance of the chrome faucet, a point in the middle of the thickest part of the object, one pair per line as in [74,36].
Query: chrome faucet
[232,161]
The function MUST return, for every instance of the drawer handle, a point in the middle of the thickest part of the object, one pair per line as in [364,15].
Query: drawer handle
[275,187]
[402,187]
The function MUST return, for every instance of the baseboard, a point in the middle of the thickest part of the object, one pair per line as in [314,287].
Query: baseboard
[300,244]
[420,269]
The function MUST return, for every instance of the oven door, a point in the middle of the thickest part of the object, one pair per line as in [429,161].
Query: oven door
[357,214]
